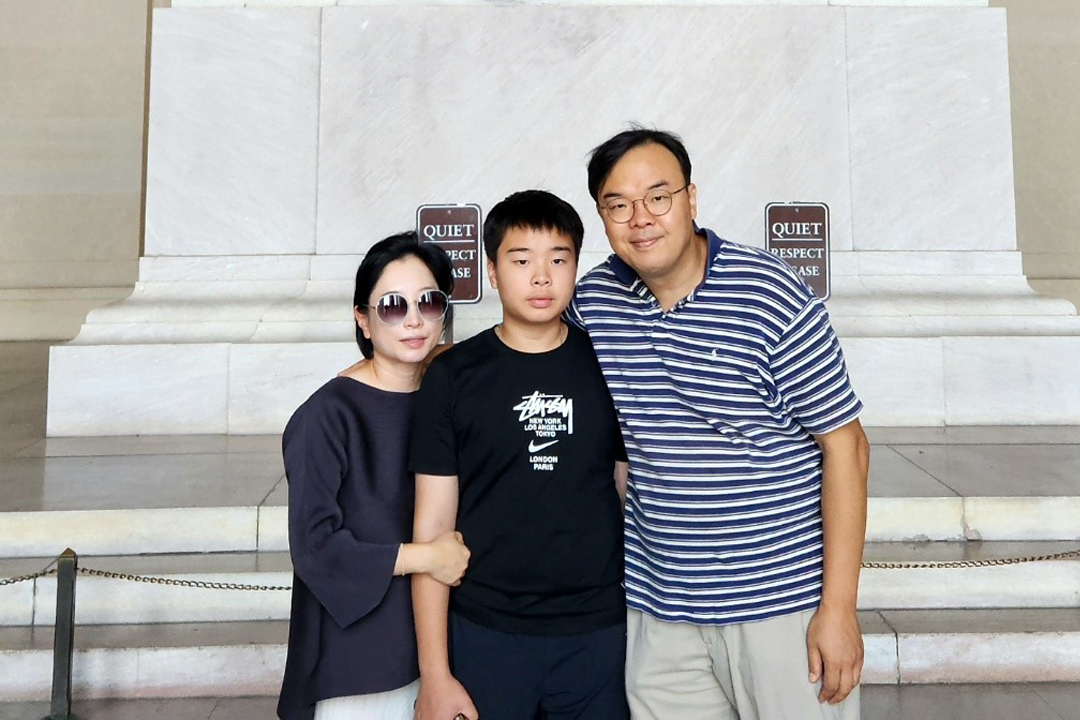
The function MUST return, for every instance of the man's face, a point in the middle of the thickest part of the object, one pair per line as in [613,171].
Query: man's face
[656,246]
[534,274]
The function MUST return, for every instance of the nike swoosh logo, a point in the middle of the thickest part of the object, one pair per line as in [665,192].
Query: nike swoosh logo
[533,447]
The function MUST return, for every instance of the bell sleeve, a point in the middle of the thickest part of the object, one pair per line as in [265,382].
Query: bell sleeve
[347,576]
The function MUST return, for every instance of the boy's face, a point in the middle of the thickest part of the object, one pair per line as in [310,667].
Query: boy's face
[534,274]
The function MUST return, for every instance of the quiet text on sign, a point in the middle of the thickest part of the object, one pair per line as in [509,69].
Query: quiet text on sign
[798,234]
[457,230]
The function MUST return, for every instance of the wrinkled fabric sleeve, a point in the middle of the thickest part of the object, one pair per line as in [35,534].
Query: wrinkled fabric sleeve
[349,577]
[810,373]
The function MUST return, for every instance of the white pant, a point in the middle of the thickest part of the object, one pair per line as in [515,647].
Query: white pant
[390,705]
[747,671]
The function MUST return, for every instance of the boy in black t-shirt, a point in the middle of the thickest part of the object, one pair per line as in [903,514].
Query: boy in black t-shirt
[516,445]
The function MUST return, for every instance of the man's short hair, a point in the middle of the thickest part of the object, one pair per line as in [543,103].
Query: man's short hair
[531,210]
[605,155]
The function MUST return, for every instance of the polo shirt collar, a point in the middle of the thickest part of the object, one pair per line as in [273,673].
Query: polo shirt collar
[628,276]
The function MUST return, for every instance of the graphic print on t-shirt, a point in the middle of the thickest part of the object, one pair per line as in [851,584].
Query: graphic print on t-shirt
[544,418]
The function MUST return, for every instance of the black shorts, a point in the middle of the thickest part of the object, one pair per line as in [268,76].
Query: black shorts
[541,677]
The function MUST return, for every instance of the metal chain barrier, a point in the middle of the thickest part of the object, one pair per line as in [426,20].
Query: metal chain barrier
[990,562]
[150,579]
[207,585]
[50,570]
[154,580]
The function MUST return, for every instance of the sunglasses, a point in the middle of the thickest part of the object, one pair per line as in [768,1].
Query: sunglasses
[392,308]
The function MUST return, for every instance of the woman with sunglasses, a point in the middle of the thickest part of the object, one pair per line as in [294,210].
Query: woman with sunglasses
[352,647]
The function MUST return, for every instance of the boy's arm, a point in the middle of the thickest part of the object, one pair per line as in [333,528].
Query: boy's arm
[441,695]
[834,643]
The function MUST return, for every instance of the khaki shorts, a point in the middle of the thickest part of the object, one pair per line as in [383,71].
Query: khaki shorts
[748,671]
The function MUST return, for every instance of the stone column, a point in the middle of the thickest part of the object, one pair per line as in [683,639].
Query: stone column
[71,134]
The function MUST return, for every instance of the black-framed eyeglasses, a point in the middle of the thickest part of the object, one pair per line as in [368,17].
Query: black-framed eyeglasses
[657,201]
[393,307]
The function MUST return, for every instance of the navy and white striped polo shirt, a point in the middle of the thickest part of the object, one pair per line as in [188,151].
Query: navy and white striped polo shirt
[717,399]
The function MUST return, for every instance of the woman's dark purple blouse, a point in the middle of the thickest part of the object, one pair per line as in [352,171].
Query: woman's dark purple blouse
[350,506]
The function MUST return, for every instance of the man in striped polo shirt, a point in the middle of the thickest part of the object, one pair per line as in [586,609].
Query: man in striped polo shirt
[746,509]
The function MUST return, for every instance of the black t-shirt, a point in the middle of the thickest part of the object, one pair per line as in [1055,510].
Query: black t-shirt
[533,439]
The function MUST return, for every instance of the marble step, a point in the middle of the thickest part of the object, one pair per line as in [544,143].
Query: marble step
[220,493]
[105,601]
[243,659]
[251,528]
[1042,584]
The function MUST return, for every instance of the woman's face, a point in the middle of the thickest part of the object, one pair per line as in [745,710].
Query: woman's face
[411,340]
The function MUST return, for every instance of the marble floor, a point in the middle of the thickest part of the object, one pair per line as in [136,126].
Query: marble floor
[1052,701]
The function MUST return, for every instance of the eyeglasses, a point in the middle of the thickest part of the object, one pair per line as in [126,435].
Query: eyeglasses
[393,307]
[657,202]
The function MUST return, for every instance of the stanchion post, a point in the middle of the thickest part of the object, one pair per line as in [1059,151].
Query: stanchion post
[67,566]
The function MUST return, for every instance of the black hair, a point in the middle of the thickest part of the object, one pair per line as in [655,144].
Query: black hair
[531,210]
[605,155]
[384,252]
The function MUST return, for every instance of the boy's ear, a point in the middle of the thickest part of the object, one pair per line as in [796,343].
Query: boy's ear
[491,274]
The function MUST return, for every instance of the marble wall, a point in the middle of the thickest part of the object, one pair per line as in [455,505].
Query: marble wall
[775,103]
[431,115]
[283,142]
[234,108]
[930,135]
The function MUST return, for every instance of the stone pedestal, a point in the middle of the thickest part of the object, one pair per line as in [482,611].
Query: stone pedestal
[284,142]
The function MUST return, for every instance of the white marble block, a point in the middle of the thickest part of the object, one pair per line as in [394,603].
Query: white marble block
[931,143]
[138,389]
[467,104]
[233,132]
[876,366]
[987,378]
[268,382]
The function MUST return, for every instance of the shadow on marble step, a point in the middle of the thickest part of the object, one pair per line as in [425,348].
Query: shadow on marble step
[233,659]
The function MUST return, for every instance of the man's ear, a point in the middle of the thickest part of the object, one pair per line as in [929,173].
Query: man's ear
[362,321]
[491,274]
[691,194]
